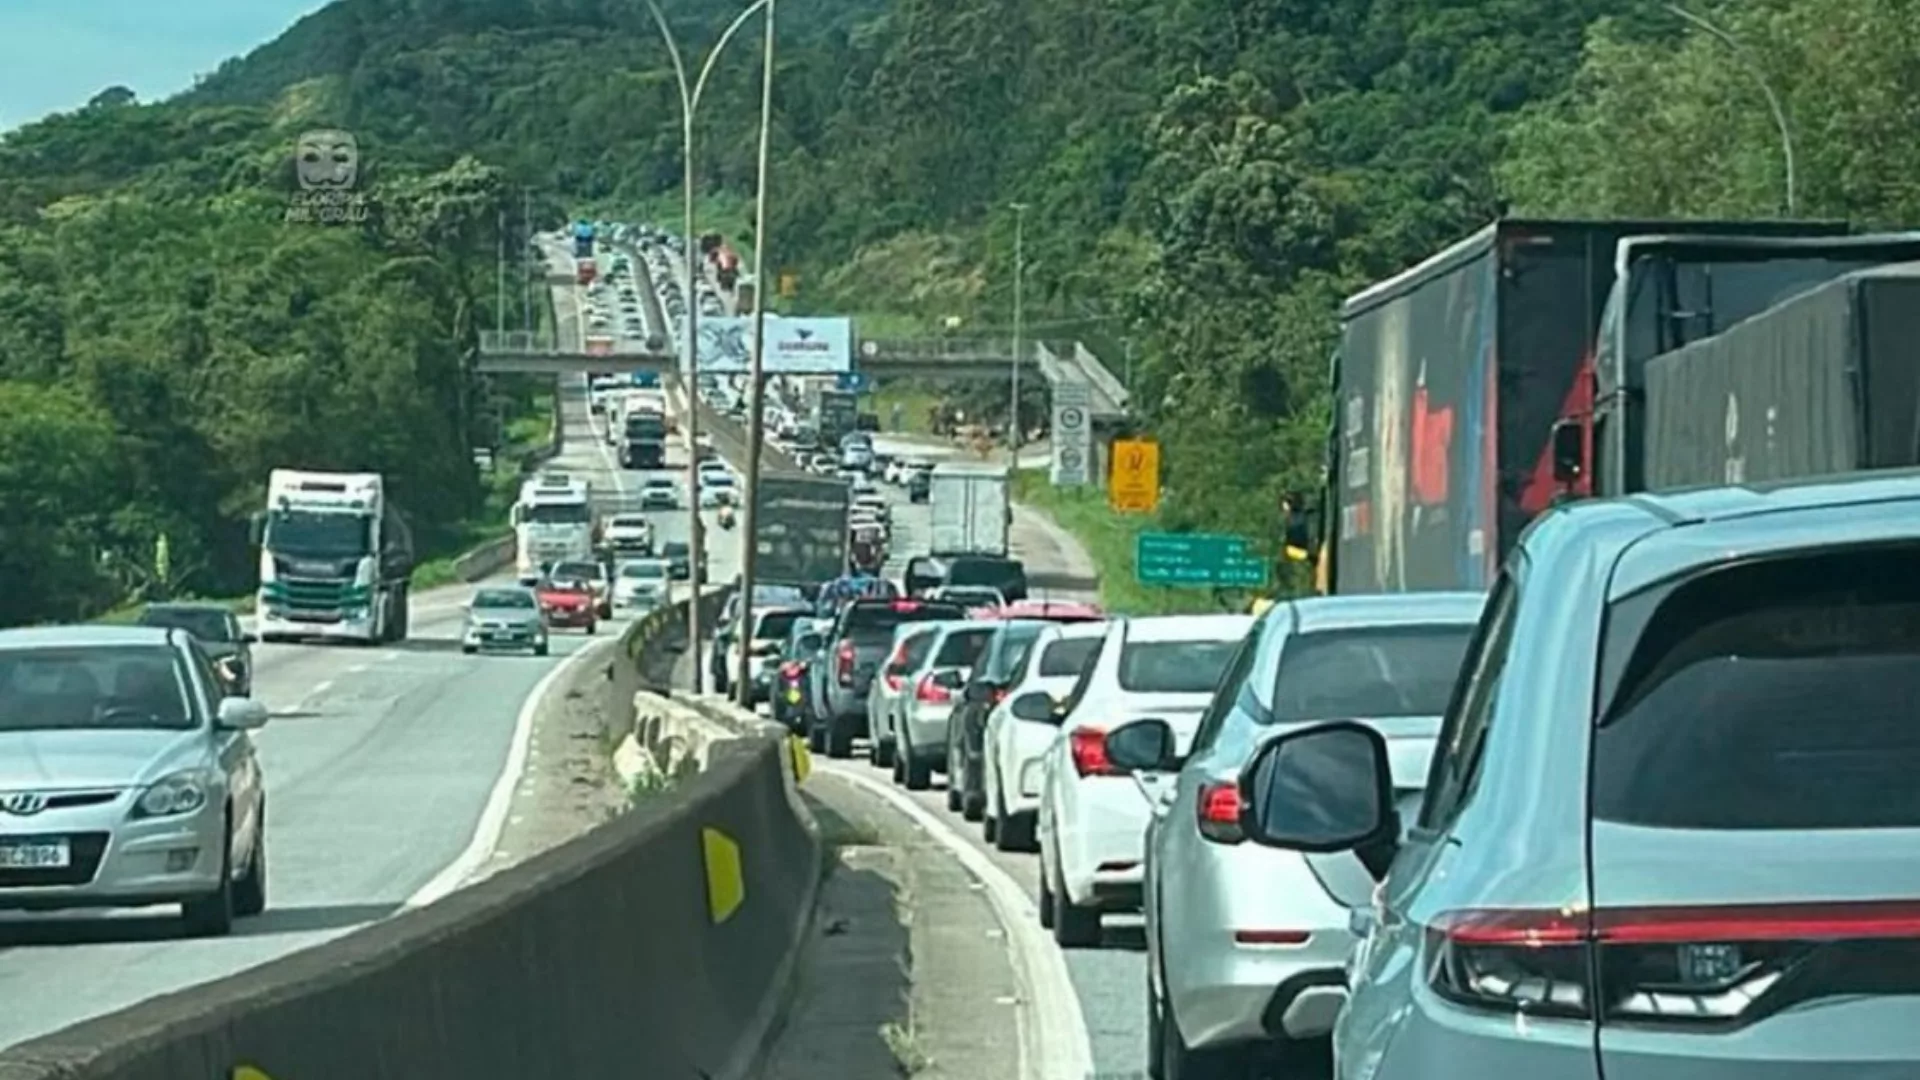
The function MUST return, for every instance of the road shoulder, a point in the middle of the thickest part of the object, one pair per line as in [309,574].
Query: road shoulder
[907,972]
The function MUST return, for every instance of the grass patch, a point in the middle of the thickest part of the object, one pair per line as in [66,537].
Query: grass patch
[1108,538]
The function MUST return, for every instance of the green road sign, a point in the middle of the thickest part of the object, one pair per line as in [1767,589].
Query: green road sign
[1198,559]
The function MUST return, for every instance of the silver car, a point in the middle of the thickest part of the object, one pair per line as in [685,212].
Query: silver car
[1246,944]
[504,617]
[642,584]
[126,778]
[1670,823]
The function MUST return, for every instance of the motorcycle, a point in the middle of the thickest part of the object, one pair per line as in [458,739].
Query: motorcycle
[725,517]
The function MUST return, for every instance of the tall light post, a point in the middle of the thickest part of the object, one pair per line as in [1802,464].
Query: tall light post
[689,105]
[1014,432]
[756,381]
[1745,59]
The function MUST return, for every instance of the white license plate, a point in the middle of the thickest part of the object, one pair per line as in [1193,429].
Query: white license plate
[57,855]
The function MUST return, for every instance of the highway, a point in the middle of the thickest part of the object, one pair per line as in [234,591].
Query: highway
[388,773]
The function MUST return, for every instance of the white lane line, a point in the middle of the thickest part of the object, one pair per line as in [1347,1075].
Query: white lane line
[1054,1043]
[493,818]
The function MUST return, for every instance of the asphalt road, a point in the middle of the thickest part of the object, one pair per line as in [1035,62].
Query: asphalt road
[380,764]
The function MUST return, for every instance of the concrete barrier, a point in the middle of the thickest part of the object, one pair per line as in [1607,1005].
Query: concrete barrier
[659,945]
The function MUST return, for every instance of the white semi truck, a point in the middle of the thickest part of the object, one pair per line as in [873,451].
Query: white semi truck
[336,558]
[553,522]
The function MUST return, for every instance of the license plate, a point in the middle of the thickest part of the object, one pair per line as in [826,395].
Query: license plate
[53,855]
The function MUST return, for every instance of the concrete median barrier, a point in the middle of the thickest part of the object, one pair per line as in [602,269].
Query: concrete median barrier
[660,945]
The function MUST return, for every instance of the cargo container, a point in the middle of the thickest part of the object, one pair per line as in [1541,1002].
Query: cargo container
[1827,381]
[1451,383]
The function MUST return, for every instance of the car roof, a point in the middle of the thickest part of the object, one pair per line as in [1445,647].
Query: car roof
[1309,614]
[1074,631]
[83,634]
[1188,627]
[189,605]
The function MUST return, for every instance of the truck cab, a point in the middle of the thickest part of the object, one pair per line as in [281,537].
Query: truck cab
[336,558]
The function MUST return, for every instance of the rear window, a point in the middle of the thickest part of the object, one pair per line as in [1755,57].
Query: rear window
[1010,650]
[205,624]
[870,621]
[995,573]
[777,624]
[1773,696]
[1174,667]
[1371,672]
[963,648]
[570,571]
[1064,659]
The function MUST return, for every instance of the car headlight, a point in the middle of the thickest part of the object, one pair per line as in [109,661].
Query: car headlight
[181,793]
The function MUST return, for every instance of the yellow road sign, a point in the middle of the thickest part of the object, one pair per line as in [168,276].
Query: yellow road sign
[1133,481]
[789,285]
[726,883]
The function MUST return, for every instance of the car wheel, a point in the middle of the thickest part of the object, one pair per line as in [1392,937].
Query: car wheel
[953,795]
[469,649]
[212,915]
[839,740]
[1046,902]
[990,823]
[540,649]
[250,895]
[1074,927]
[917,770]
[816,739]
[593,628]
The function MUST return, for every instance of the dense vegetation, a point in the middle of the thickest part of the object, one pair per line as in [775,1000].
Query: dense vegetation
[1205,181]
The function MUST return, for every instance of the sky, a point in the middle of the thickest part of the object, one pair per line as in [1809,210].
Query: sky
[56,54]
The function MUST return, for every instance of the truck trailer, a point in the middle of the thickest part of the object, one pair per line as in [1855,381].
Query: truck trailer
[336,559]
[1827,381]
[1465,387]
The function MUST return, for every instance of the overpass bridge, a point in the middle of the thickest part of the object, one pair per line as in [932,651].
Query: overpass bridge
[1057,362]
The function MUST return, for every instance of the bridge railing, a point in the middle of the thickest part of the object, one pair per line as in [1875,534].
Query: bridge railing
[936,348]
[517,341]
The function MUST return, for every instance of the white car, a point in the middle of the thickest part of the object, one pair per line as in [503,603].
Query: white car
[926,703]
[1093,815]
[642,584]
[718,490]
[1013,748]
[630,534]
[910,644]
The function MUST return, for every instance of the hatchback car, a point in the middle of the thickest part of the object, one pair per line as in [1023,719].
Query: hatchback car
[1218,999]
[504,618]
[217,630]
[1014,746]
[910,644]
[642,584]
[993,675]
[1093,817]
[931,690]
[1669,825]
[127,777]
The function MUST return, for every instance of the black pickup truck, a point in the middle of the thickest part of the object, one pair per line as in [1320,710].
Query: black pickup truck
[858,644]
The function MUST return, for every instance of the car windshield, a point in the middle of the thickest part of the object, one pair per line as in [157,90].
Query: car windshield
[316,534]
[643,571]
[675,547]
[207,624]
[495,599]
[1174,667]
[578,571]
[94,688]
[660,483]
[628,521]
[1367,673]
[557,514]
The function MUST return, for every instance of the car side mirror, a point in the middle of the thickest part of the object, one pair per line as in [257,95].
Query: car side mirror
[1143,746]
[1569,451]
[241,714]
[1324,789]
[1036,707]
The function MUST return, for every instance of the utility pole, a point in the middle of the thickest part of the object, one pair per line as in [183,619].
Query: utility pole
[500,276]
[526,258]
[689,105]
[1014,432]
[756,384]
[1759,76]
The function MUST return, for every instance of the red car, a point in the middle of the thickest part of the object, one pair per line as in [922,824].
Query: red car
[568,604]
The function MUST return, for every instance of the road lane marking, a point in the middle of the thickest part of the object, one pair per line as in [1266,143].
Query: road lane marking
[1054,1042]
[493,818]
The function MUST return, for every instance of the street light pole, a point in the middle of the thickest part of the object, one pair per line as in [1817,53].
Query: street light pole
[756,382]
[1753,69]
[1014,432]
[689,106]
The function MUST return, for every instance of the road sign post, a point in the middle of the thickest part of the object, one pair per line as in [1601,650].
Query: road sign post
[1133,481]
[1198,560]
[1072,434]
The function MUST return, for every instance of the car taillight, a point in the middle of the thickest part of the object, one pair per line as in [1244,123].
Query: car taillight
[998,694]
[1219,809]
[1707,966]
[932,692]
[843,663]
[1089,747]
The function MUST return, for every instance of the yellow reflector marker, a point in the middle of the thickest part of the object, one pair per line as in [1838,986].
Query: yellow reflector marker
[726,885]
[248,1072]
[802,759]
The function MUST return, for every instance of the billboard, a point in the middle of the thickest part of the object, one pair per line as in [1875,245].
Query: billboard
[802,529]
[795,346]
